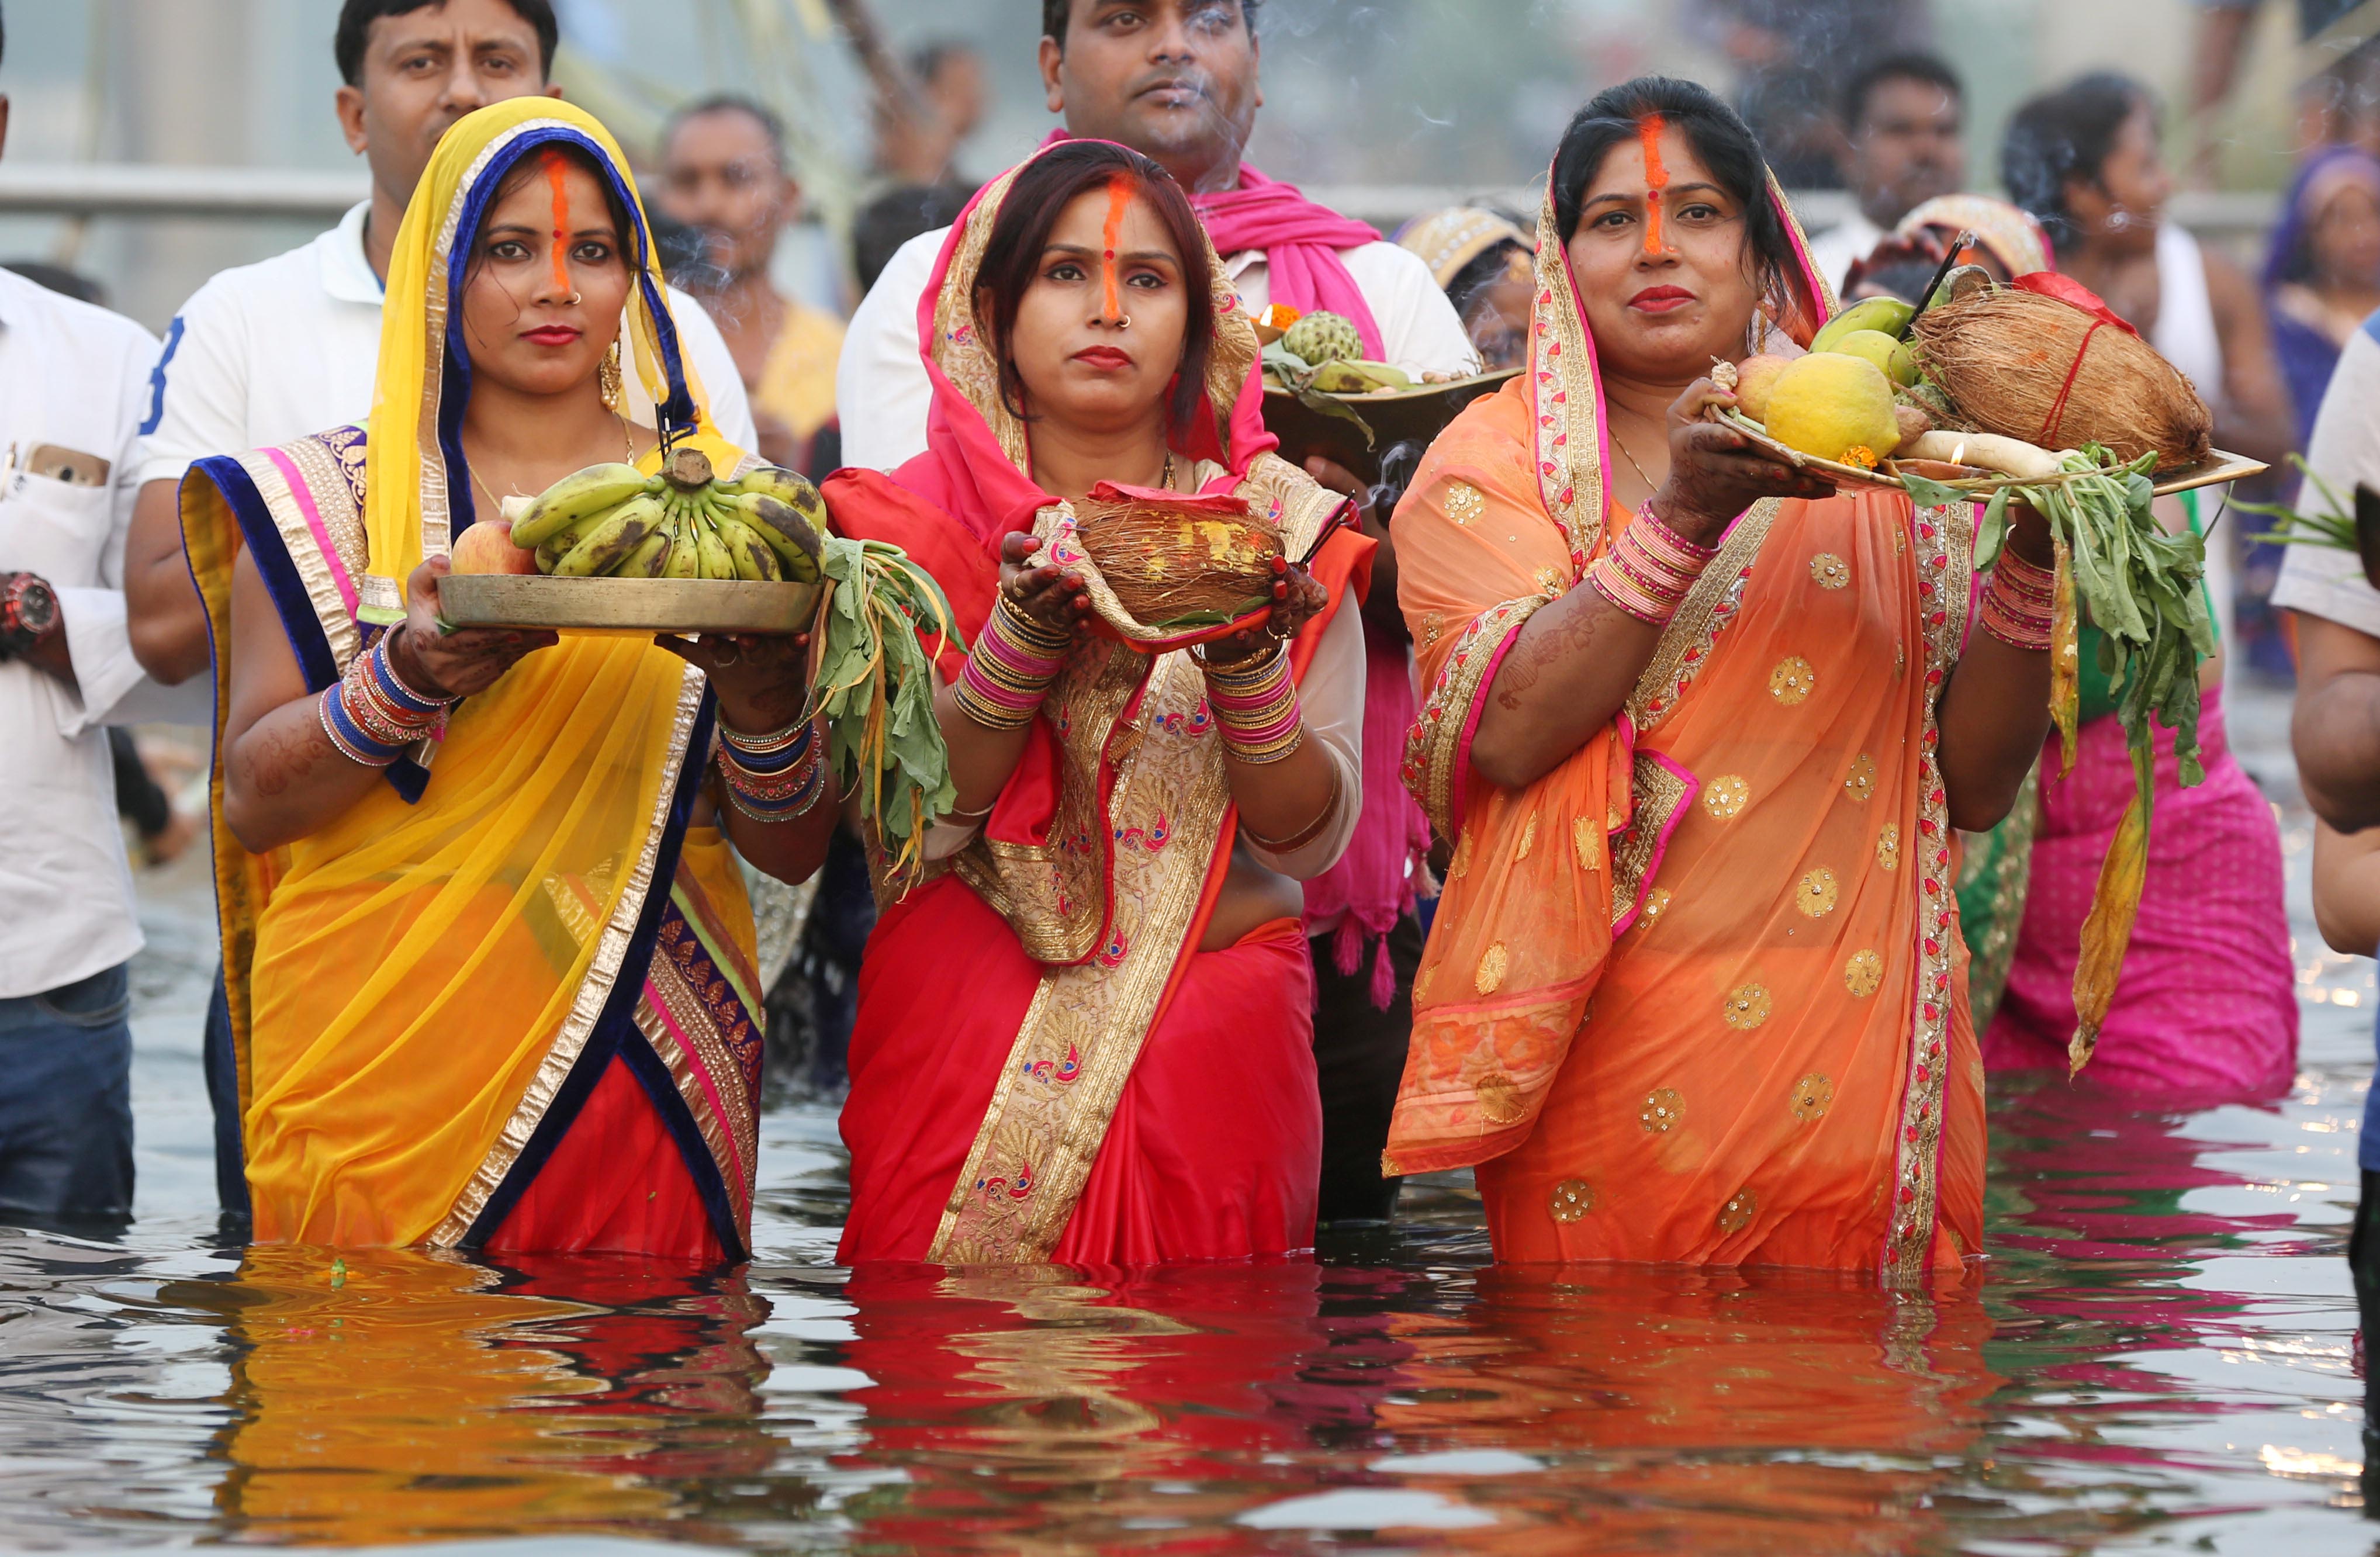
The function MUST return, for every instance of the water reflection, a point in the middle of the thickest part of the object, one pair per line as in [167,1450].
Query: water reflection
[395,1393]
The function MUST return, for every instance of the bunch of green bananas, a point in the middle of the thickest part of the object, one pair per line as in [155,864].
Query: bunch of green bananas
[763,527]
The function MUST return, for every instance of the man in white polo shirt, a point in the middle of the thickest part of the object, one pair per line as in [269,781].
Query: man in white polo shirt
[289,346]
[272,352]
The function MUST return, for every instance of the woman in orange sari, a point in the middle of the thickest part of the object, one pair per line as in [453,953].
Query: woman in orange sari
[1087,1035]
[1700,729]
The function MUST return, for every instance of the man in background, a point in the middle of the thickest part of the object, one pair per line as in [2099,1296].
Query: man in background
[73,381]
[1903,118]
[724,179]
[921,125]
[265,353]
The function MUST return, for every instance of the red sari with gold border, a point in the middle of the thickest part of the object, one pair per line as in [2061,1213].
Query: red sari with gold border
[1044,1066]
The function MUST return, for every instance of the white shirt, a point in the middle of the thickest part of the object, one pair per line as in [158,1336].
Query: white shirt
[2326,581]
[76,379]
[1834,251]
[268,352]
[881,393]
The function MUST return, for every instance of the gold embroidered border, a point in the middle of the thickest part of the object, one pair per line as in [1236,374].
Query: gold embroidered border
[1943,555]
[733,1141]
[611,951]
[1660,791]
[1686,643]
[1565,400]
[1082,1031]
[1432,762]
[305,553]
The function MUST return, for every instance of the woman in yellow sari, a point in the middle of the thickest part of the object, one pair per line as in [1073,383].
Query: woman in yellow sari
[1700,729]
[489,961]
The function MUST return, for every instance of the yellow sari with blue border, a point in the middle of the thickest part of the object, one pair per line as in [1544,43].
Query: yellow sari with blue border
[425,994]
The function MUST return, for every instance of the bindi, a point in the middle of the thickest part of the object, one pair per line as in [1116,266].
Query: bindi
[1657,179]
[556,167]
[1120,193]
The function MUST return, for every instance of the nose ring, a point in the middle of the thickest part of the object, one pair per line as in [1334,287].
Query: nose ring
[571,301]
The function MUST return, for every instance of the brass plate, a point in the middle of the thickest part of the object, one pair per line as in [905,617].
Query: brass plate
[2218,468]
[624,606]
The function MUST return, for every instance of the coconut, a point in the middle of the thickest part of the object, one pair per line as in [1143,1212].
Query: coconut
[2006,356]
[1178,561]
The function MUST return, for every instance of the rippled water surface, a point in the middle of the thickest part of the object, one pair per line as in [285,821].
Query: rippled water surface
[2161,1354]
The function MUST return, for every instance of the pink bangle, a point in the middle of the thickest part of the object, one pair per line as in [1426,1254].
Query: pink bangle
[1649,569]
[1010,670]
[2020,606]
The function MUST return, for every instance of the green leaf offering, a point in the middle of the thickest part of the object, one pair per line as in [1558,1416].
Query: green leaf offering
[875,684]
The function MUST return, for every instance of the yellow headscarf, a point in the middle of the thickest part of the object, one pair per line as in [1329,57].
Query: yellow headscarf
[414,459]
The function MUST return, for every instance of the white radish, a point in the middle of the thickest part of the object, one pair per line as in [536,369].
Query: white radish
[1989,451]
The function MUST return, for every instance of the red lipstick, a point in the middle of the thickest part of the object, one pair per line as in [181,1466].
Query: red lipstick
[1661,299]
[552,335]
[1104,356]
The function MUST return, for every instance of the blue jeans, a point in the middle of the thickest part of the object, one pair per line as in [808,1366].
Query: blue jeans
[66,1101]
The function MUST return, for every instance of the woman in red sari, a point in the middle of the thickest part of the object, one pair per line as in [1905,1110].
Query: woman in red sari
[1086,1036]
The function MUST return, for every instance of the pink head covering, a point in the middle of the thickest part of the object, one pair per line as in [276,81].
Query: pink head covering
[977,466]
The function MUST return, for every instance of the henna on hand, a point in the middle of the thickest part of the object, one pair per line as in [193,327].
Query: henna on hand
[1583,618]
[279,758]
[1716,472]
[1055,597]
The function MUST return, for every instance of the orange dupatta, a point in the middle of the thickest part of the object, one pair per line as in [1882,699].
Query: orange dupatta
[1740,890]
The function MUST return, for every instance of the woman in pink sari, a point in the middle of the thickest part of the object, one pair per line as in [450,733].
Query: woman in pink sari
[1086,1036]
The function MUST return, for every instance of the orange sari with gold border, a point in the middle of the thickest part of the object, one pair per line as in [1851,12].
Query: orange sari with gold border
[1698,993]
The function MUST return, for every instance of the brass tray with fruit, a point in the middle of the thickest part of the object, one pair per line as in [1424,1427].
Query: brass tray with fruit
[611,550]
[1322,397]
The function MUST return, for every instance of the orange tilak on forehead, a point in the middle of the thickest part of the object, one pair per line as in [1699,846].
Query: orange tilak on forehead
[1120,192]
[556,165]
[1657,179]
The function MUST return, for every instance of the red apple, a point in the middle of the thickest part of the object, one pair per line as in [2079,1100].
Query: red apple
[487,547]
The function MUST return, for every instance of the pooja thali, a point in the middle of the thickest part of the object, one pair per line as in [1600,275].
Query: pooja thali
[638,607]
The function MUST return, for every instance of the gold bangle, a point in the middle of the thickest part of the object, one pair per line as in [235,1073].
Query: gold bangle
[1312,830]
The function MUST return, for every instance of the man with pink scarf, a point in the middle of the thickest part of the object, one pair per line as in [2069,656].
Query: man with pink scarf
[1176,80]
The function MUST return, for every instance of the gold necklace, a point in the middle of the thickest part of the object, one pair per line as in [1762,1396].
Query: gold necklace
[1650,484]
[628,440]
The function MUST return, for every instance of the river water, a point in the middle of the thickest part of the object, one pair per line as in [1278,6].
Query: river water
[2161,1354]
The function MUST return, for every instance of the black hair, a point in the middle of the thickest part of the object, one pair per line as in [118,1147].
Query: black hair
[1013,252]
[1720,138]
[58,279]
[1054,15]
[772,124]
[895,217]
[355,17]
[2062,137]
[927,60]
[1930,69]
[1480,272]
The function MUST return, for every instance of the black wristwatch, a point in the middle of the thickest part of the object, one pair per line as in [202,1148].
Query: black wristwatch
[29,612]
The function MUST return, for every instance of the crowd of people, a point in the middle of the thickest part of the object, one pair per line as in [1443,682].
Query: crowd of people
[1609,808]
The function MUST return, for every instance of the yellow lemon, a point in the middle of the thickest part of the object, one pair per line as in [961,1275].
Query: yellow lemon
[1828,404]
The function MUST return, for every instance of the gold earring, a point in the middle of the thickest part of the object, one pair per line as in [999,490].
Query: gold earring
[607,377]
